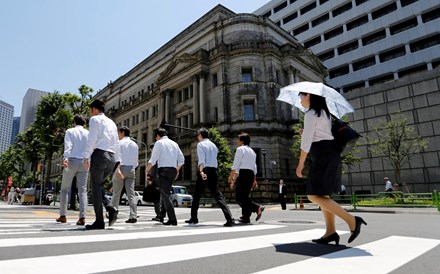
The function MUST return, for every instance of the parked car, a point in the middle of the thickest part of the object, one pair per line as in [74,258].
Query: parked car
[137,195]
[180,196]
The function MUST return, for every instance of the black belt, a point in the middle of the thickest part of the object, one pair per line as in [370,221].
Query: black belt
[209,168]
[166,167]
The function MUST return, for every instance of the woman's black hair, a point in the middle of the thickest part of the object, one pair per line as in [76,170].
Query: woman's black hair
[317,103]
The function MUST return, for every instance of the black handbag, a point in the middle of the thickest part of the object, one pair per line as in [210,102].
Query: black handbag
[345,136]
[151,193]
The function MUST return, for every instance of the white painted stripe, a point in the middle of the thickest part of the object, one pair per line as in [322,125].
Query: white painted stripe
[382,256]
[129,236]
[122,259]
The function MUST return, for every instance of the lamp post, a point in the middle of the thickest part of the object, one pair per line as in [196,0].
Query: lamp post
[264,151]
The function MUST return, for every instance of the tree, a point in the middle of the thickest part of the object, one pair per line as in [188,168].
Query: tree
[348,159]
[224,153]
[396,141]
[32,149]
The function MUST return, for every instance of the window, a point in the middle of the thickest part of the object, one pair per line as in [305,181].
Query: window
[322,1]
[405,3]
[280,7]
[246,75]
[248,110]
[392,54]
[339,72]
[301,29]
[431,15]
[333,33]
[425,43]
[312,42]
[412,70]
[358,22]
[326,55]
[320,20]
[289,18]
[384,11]
[374,37]
[411,23]
[354,86]
[360,2]
[348,47]
[368,62]
[342,9]
[381,79]
[214,80]
[267,14]
[308,8]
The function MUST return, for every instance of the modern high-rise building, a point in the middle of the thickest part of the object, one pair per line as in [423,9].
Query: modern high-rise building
[6,116]
[15,129]
[29,107]
[363,42]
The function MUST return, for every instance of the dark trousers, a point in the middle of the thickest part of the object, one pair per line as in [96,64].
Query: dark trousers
[212,184]
[166,178]
[243,187]
[101,166]
[282,200]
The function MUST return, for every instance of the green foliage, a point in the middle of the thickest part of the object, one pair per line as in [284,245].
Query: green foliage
[397,142]
[347,160]
[224,153]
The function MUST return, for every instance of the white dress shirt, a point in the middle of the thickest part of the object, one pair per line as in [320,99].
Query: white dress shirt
[128,152]
[207,153]
[103,135]
[75,142]
[315,129]
[166,153]
[245,158]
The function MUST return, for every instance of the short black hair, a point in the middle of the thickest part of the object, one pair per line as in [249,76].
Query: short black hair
[126,131]
[204,132]
[79,120]
[98,104]
[245,138]
[161,132]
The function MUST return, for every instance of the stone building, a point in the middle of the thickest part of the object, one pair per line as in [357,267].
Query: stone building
[224,70]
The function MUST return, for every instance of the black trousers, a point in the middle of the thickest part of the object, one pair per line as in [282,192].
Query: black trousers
[212,184]
[101,166]
[282,200]
[166,178]
[243,187]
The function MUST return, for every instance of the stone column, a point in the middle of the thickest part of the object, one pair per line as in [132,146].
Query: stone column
[195,100]
[167,105]
[202,94]
[161,109]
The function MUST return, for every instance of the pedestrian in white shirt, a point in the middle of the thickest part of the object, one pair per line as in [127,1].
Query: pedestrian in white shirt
[11,195]
[246,168]
[125,174]
[99,156]
[169,159]
[75,142]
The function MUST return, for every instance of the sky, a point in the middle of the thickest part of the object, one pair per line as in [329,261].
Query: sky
[58,45]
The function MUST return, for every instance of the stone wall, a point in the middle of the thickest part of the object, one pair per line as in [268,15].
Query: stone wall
[418,98]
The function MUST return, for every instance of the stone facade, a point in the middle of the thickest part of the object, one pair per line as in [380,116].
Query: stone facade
[224,70]
[417,96]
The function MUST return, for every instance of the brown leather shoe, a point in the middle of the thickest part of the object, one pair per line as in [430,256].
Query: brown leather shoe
[61,219]
[81,221]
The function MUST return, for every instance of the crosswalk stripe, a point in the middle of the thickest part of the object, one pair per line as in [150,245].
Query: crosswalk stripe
[123,259]
[129,236]
[382,256]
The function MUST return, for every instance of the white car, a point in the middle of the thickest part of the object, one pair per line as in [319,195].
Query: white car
[138,197]
[180,197]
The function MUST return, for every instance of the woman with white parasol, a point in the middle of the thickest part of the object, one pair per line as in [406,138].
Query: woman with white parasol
[317,140]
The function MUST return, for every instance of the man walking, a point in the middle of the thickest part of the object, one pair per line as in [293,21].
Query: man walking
[101,148]
[169,159]
[75,142]
[208,176]
[282,194]
[125,172]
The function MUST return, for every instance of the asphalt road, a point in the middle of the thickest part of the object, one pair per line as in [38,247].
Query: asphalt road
[394,241]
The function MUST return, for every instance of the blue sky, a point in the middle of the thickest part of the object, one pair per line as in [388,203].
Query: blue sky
[58,45]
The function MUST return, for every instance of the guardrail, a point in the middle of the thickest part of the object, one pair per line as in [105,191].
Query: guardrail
[389,199]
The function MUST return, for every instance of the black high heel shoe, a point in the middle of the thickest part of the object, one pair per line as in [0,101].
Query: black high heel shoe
[328,239]
[357,229]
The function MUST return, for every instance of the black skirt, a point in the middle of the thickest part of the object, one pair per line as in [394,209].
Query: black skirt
[326,169]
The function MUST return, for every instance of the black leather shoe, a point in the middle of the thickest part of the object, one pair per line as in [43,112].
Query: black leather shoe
[157,219]
[357,229]
[229,223]
[330,238]
[112,215]
[244,220]
[259,212]
[95,225]
[131,221]
[173,223]
[192,221]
